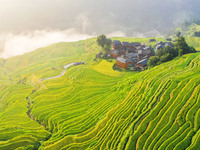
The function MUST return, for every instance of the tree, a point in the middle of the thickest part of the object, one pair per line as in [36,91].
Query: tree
[196,34]
[178,34]
[153,60]
[108,45]
[181,44]
[192,50]
[165,57]
[170,50]
[160,52]
[104,42]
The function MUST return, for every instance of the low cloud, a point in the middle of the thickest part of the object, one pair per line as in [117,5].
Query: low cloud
[117,34]
[17,44]
[84,22]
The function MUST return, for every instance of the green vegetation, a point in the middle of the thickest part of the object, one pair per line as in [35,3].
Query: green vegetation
[168,52]
[104,42]
[187,26]
[19,79]
[190,29]
[94,107]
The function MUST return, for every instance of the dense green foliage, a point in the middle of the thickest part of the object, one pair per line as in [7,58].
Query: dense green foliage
[181,44]
[168,52]
[94,107]
[196,34]
[104,42]
[153,61]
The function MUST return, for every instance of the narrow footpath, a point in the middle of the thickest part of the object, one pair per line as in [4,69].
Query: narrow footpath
[61,74]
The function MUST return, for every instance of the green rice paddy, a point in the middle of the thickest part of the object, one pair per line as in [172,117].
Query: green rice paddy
[94,107]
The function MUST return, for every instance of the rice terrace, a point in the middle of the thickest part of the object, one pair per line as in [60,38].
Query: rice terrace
[93,106]
[66,86]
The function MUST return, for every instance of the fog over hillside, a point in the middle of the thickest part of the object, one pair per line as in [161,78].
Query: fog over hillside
[29,24]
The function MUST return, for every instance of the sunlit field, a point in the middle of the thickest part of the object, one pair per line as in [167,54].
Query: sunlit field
[95,107]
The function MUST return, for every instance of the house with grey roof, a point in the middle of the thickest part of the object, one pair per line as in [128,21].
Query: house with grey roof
[142,63]
[168,39]
[161,45]
[131,54]
[128,45]
[117,45]
[151,40]
[125,62]
[149,51]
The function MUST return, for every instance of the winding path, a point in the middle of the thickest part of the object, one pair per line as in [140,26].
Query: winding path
[61,74]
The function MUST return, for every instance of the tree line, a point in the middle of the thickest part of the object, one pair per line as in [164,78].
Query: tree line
[168,53]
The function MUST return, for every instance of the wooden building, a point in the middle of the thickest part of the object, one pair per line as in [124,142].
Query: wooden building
[128,45]
[168,39]
[149,51]
[142,63]
[151,40]
[117,53]
[117,45]
[124,63]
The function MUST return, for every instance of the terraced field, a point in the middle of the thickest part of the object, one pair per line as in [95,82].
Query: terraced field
[194,41]
[160,110]
[16,128]
[94,107]
[19,79]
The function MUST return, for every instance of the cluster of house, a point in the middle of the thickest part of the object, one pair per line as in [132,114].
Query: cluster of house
[161,45]
[131,54]
[134,55]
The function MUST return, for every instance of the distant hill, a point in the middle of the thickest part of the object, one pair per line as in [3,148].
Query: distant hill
[95,107]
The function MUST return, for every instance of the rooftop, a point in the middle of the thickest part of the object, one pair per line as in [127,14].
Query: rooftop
[133,44]
[116,42]
[131,55]
[143,62]
[122,60]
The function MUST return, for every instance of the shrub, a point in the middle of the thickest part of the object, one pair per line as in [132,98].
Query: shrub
[153,61]
[165,58]
[180,52]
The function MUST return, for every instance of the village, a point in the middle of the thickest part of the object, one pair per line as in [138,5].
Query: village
[135,55]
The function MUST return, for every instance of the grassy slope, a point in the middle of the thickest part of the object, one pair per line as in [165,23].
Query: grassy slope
[19,77]
[94,107]
[194,41]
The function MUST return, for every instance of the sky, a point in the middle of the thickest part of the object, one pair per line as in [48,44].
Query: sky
[26,25]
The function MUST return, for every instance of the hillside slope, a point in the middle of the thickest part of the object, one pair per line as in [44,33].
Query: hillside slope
[19,78]
[94,107]
[158,109]
[191,32]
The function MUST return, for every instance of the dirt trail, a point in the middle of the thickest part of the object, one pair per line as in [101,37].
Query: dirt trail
[61,74]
